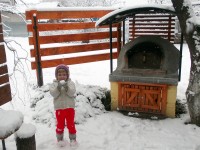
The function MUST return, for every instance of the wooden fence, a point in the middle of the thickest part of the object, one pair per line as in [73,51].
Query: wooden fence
[152,24]
[53,34]
[5,92]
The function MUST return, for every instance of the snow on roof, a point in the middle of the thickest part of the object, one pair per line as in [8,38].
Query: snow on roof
[122,13]
[71,8]
[10,121]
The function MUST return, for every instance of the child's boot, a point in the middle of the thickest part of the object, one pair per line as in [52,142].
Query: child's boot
[61,142]
[73,142]
[59,137]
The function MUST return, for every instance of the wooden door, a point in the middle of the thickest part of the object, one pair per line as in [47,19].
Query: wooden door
[139,97]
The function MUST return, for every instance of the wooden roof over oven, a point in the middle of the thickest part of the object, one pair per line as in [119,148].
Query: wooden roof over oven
[123,13]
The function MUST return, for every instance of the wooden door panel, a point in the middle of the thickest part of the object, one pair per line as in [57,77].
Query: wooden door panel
[142,98]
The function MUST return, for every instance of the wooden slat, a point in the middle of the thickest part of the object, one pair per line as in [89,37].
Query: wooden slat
[59,14]
[151,15]
[64,26]
[2,54]
[151,23]
[73,49]
[171,40]
[153,20]
[152,31]
[162,35]
[5,94]
[3,70]
[151,27]
[74,60]
[4,79]
[72,37]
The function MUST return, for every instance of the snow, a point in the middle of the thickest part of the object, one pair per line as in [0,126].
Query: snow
[117,12]
[10,120]
[69,8]
[97,129]
[26,131]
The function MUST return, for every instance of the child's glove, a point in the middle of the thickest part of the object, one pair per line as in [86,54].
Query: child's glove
[59,85]
[65,85]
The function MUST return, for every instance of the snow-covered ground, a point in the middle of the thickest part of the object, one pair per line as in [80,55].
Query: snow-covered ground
[96,128]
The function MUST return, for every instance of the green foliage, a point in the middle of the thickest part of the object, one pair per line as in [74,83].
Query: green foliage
[106,101]
[180,108]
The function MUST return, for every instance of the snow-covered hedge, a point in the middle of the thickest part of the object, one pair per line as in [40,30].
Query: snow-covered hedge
[88,103]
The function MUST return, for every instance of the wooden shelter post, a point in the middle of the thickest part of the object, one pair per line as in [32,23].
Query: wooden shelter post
[124,25]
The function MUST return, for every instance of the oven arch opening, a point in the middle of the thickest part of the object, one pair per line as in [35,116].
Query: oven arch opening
[145,55]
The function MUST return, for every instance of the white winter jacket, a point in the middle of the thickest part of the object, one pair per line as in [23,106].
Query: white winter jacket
[63,98]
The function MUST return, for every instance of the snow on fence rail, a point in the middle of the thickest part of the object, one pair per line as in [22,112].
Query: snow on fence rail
[60,32]
[5,92]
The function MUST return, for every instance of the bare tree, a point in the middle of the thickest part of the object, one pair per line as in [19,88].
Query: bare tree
[191,31]
[20,63]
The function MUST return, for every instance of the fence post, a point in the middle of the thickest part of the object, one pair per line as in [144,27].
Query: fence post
[37,49]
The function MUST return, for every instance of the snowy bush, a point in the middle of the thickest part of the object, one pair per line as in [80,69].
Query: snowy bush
[180,108]
[88,103]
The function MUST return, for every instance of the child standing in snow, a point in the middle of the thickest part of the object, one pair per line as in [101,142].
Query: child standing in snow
[63,89]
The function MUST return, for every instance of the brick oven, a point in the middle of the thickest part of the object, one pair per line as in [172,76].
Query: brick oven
[146,76]
[148,66]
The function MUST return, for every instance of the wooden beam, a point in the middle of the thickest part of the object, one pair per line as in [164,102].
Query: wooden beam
[73,49]
[74,60]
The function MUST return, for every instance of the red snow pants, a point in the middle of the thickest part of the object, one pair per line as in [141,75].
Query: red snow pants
[65,117]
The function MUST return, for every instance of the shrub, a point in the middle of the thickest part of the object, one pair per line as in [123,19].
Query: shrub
[180,108]
[106,101]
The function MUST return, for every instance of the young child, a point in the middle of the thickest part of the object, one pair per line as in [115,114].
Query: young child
[63,89]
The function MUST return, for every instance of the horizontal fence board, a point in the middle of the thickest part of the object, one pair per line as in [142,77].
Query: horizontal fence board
[162,35]
[152,31]
[153,15]
[59,14]
[151,23]
[72,37]
[2,54]
[3,69]
[73,49]
[171,39]
[153,20]
[64,26]
[4,79]
[159,27]
[74,60]
[5,94]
